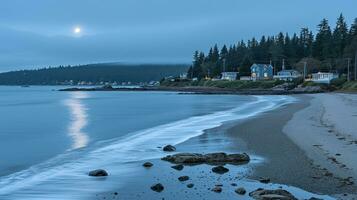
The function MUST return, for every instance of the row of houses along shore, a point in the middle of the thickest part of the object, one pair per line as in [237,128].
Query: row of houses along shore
[259,72]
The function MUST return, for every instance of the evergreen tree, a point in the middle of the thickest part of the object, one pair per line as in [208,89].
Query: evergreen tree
[323,42]
[215,54]
[326,50]
[196,67]
[305,43]
[340,35]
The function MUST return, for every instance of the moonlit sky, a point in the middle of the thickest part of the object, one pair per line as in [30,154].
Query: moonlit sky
[38,33]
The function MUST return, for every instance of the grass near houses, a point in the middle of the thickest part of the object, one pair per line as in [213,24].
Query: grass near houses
[349,86]
[339,84]
[238,84]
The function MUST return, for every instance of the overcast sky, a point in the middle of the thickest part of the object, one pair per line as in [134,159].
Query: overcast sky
[37,33]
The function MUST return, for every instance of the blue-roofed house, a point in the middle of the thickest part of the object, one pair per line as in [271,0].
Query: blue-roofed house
[261,71]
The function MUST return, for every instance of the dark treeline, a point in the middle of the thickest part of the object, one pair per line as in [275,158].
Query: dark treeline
[94,73]
[328,50]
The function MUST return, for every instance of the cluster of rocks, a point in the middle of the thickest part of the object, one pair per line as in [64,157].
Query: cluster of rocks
[211,158]
[217,159]
[283,87]
[307,89]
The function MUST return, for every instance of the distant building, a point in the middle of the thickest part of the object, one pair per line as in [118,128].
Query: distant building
[230,76]
[287,75]
[183,76]
[323,77]
[245,78]
[261,71]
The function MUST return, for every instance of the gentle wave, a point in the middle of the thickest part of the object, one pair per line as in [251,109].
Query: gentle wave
[64,174]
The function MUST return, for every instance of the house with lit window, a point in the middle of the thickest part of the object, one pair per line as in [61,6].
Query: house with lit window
[287,75]
[261,71]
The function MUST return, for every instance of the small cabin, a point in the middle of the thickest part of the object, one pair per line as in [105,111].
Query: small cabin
[287,75]
[245,78]
[261,71]
[323,77]
[183,76]
[230,76]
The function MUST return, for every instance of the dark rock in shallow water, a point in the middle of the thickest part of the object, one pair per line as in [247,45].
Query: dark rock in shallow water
[185,158]
[183,178]
[217,189]
[98,172]
[240,191]
[148,164]
[220,170]
[169,148]
[190,185]
[177,167]
[157,187]
[212,158]
[261,194]
[226,158]
[264,180]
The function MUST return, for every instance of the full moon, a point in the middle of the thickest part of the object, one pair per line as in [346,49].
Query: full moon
[77,30]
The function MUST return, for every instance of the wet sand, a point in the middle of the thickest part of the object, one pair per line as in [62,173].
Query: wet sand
[274,154]
[286,162]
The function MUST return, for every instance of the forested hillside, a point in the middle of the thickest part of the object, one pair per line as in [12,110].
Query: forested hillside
[329,50]
[94,73]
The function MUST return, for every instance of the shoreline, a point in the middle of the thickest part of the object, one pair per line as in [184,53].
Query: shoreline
[287,162]
[326,132]
[196,90]
[275,156]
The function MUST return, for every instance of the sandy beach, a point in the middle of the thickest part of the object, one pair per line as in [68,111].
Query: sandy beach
[299,147]
[326,132]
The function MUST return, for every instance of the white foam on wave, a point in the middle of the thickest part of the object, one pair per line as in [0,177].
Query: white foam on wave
[62,175]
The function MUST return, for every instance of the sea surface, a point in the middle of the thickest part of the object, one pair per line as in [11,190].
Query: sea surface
[49,140]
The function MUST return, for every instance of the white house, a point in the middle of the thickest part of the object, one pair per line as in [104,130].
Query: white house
[323,77]
[230,76]
[183,76]
[287,75]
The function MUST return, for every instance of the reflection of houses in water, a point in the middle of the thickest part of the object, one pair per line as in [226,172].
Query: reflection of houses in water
[79,119]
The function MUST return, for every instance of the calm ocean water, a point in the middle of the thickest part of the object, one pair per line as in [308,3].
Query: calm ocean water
[45,123]
[50,139]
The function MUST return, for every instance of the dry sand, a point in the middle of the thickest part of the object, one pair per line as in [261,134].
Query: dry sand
[327,132]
